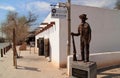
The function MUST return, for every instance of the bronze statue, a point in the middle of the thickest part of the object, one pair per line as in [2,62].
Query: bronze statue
[84,31]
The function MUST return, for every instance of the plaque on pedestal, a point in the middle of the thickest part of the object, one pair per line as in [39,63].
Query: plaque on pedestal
[84,69]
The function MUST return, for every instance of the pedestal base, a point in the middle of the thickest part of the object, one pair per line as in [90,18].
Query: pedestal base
[82,69]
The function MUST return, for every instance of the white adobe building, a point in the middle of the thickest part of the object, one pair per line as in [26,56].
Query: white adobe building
[105,25]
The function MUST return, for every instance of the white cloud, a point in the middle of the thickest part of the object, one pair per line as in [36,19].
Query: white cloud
[38,6]
[97,3]
[9,8]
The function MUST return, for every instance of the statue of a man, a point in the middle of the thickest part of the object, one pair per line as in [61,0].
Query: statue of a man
[84,31]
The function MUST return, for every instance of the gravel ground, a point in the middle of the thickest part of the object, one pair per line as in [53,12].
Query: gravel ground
[30,65]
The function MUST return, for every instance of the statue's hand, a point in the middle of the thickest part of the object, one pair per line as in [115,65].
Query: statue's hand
[72,33]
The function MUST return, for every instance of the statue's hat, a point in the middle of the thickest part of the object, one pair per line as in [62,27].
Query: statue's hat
[83,16]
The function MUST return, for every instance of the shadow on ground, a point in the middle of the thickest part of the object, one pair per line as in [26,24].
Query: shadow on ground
[28,68]
[110,74]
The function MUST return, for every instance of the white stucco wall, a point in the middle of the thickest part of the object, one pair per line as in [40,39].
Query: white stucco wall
[105,27]
[105,32]
[63,41]
[53,35]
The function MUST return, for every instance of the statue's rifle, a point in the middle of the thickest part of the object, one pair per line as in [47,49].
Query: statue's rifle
[74,49]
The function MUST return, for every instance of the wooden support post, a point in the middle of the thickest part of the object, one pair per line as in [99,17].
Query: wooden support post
[14,50]
[69,27]
[1,53]
[4,51]
[30,49]
[34,47]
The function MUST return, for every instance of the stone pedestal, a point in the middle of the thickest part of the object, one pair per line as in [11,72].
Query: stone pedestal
[81,69]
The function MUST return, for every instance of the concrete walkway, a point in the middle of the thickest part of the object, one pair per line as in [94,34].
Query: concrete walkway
[30,65]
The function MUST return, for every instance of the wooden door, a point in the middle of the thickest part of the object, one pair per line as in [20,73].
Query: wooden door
[41,46]
[46,47]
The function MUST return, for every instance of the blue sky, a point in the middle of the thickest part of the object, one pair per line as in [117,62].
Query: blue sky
[42,7]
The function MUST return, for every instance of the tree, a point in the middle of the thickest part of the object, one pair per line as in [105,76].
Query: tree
[20,23]
[117,5]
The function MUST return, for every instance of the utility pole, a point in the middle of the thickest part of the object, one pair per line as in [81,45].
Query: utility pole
[68,6]
[69,27]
